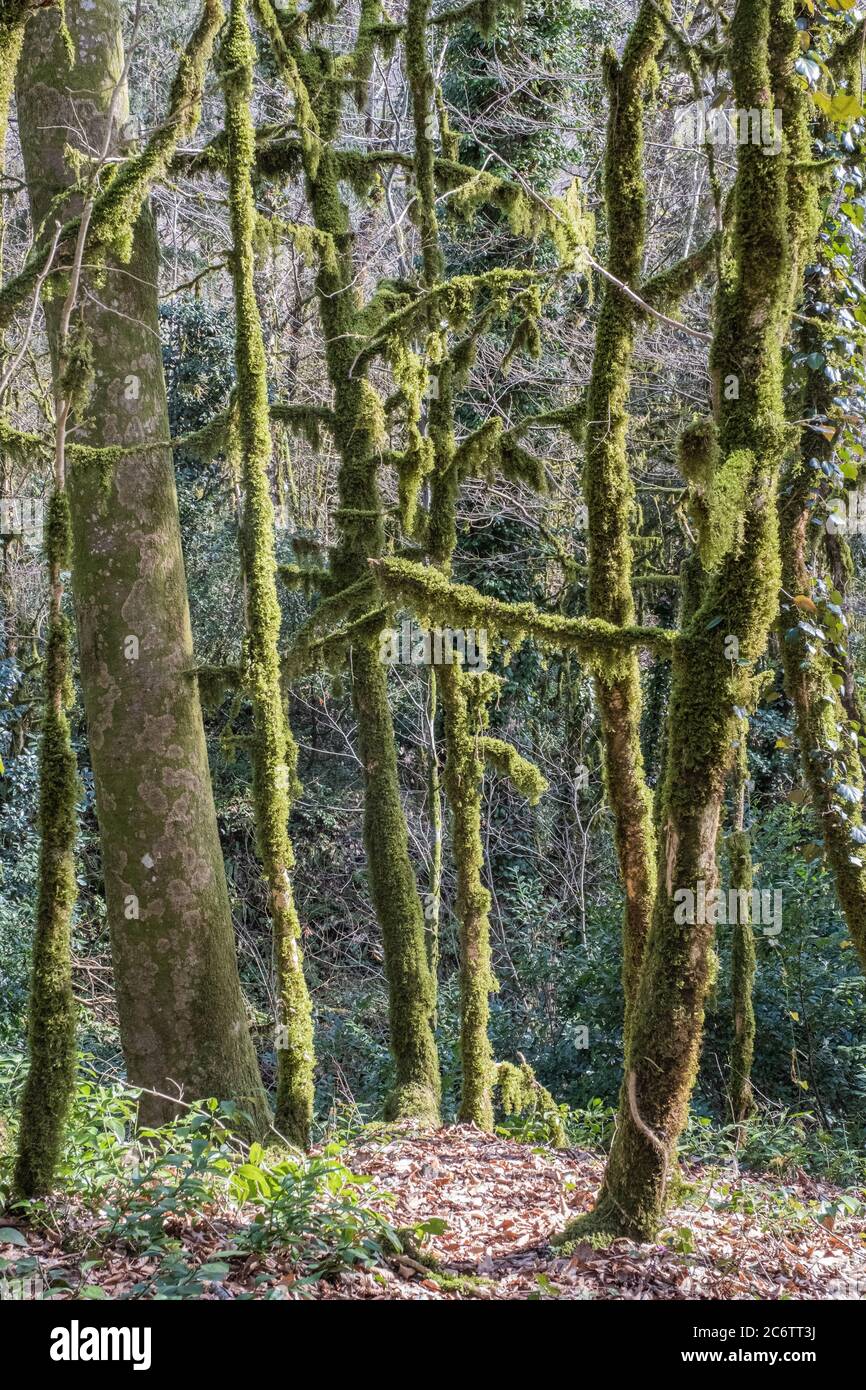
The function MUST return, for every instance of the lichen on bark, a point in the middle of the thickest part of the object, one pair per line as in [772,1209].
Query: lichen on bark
[181,1010]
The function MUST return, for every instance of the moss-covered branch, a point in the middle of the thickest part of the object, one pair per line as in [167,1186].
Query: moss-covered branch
[523,775]
[438,602]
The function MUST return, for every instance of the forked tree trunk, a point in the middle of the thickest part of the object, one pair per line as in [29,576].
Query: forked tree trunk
[774,224]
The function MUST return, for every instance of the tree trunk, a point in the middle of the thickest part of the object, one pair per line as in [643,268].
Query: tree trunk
[274,752]
[774,223]
[608,488]
[182,1019]
[742,965]
[359,437]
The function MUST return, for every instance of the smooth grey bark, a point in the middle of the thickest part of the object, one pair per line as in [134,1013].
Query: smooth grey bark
[182,1016]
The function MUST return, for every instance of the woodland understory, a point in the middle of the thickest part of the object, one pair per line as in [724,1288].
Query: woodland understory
[432,666]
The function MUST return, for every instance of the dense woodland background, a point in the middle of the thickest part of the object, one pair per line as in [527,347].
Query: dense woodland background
[526,96]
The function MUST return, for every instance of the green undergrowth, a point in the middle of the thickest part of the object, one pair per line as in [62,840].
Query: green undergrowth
[143,1191]
[189,1205]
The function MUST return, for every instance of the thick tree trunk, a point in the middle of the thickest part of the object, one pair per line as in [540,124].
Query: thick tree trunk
[179,998]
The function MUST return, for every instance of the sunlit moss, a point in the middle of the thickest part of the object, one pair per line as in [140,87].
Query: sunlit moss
[273,750]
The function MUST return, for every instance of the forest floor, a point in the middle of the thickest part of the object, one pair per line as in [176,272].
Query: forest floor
[493,1204]
[732,1236]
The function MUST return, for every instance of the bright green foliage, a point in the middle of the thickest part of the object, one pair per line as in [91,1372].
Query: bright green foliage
[274,753]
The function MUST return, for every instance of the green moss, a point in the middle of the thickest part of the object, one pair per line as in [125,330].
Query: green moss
[698,449]
[521,1093]
[722,509]
[12,25]
[277,26]
[116,208]
[51,1021]
[523,775]
[437,602]
[607,485]
[273,750]
[742,981]
[708,686]
[464,769]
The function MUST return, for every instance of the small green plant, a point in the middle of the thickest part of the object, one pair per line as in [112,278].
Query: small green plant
[149,1187]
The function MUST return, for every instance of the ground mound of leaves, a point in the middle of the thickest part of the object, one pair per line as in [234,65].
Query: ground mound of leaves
[731,1236]
[475,1214]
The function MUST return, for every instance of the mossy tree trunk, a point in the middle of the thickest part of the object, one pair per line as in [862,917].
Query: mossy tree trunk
[51,1007]
[464,773]
[742,959]
[433,900]
[464,767]
[182,1015]
[319,89]
[818,671]
[274,752]
[607,482]
[828,746]
[755,303]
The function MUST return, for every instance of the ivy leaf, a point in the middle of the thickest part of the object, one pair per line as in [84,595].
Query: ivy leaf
[842,106]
